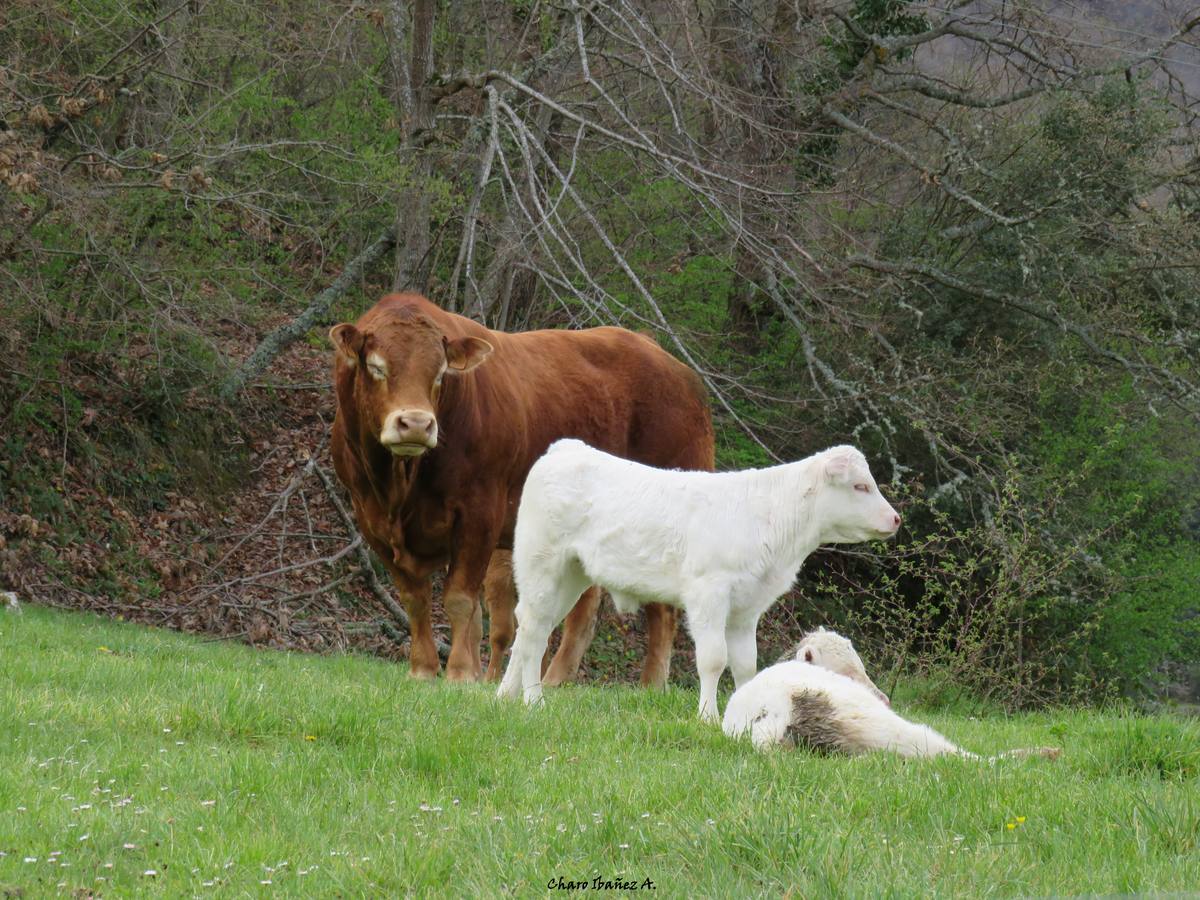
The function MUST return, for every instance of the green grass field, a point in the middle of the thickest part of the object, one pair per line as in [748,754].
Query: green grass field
[136,761]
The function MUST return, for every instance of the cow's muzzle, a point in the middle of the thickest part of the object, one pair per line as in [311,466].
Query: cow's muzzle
[409,432]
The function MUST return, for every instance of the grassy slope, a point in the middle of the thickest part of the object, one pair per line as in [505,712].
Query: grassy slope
[331,764]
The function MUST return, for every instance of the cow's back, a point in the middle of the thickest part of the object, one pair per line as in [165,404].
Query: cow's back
[611,388]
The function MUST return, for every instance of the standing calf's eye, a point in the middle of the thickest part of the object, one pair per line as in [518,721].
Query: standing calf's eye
[865,488]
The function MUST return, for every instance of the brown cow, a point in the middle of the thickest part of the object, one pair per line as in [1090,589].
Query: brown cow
[438,422]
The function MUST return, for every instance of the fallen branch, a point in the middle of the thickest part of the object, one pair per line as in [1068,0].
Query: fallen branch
[275,342]
[368,571]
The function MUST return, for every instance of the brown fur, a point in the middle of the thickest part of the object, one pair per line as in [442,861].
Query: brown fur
[456,503]
[813,723]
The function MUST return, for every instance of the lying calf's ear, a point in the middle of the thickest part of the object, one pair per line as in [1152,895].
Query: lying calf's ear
[464,354]
[348,341]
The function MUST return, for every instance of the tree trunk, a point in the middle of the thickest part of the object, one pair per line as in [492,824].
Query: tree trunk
[412,63]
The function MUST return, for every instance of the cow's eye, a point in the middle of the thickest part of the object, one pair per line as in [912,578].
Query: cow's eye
[865,488]
[378,373]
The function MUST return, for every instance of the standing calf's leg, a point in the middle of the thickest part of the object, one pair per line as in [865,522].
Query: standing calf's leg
[742,643]
[662,622]
[545,600]
[706,621]
[579,627]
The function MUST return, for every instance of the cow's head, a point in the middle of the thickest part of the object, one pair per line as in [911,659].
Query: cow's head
[393,365]
[849,506]
[831,651]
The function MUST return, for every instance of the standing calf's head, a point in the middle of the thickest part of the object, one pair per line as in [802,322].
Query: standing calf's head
[831,651]
[389,372]
[849,506]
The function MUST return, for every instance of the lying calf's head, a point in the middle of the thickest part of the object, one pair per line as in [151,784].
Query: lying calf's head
[831,651]
[848,505]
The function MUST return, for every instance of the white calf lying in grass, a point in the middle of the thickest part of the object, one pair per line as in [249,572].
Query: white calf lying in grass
[824,700]
[723,546]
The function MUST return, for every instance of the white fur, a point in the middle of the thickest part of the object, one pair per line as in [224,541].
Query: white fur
[763,707]
[859,718]
[722,546]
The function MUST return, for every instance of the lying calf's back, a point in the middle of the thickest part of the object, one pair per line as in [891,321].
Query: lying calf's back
[798,704]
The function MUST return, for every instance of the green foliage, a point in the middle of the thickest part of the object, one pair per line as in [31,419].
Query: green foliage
[879,18]
[1077,582]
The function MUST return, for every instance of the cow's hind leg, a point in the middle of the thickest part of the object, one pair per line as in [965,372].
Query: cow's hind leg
[500,594]
[579,627]
[662,622]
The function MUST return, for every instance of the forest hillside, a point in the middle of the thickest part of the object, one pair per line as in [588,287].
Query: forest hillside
[964,237]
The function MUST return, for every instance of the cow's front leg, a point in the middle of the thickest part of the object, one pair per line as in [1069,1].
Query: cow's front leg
[461,600]
[417,595]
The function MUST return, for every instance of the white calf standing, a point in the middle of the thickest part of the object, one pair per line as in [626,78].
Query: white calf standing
[723,546]
[824,700]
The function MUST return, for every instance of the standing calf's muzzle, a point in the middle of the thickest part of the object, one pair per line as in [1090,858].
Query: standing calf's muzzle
[409,432]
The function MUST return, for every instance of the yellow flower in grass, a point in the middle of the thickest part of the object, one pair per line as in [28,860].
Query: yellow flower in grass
[1020,820]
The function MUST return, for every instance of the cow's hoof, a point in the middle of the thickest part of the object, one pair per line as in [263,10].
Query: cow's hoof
[467,675]
[422,674]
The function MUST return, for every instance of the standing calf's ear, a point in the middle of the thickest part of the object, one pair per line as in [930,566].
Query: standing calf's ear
[464,354]
[348,340]
[837,468]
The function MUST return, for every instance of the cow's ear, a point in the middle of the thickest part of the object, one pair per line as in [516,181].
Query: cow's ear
[464,354]
[837,468]
[808,656]
[348,340]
